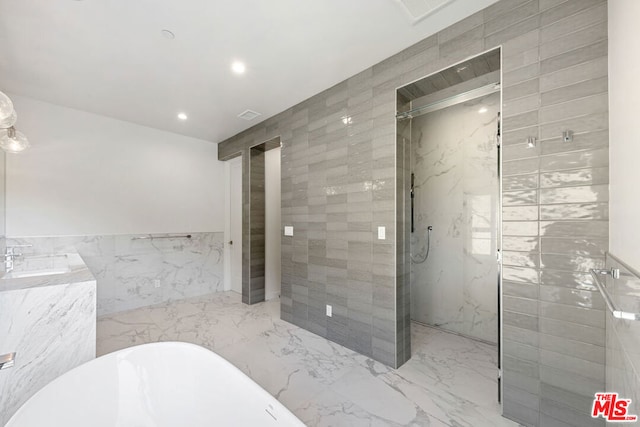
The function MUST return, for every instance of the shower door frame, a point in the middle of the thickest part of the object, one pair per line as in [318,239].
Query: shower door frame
[499,132]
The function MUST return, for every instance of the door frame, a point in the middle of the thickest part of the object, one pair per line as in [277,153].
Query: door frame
[228,165]
[499,251]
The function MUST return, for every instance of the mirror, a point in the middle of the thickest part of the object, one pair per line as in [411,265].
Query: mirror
[3,175]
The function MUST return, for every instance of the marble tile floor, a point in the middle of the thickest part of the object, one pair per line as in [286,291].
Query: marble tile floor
[449,381]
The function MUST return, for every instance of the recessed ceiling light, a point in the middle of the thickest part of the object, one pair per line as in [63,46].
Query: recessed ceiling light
[182,116]
[168,34]
[483,110]
[238,67]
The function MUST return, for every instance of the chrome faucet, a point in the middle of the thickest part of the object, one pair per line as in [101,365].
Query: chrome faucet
[10,256]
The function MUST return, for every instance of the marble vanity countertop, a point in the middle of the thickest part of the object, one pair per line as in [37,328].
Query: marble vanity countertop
[46,270]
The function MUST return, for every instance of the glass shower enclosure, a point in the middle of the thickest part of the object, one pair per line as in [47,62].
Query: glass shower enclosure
[450,120]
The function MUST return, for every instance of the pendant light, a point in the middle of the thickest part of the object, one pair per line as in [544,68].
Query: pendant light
[8,115]
[13,141]
[6,107]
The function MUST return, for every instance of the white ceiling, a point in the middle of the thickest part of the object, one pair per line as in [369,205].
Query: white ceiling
[108,56]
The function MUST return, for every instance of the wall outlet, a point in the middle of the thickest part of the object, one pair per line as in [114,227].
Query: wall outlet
[382,233]
[288,230]
[329,311]
[156,283]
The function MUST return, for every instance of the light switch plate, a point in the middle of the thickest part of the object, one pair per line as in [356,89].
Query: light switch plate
[329,311]
[382,233]
[288,230]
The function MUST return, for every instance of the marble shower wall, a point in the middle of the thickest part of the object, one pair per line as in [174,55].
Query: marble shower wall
[127,270]
[455,162]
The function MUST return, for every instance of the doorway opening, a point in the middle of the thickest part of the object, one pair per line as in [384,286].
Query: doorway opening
[253,246]
[234,233]
[272,235]
[448,128]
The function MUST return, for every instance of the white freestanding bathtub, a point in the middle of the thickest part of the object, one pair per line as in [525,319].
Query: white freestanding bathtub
[154,385]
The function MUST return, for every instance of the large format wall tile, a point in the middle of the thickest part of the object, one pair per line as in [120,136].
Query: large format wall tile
[554,79]
[570,181]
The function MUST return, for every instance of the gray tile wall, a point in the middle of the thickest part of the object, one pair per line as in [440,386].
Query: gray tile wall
[341,178]
[555,209]
[253,267]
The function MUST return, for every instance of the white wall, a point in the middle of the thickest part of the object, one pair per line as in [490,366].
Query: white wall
[87,174]
[233,225]
[624,123]
[273,228]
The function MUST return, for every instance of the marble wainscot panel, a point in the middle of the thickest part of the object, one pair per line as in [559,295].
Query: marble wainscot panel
[134,273]
[456,191]
[48,318]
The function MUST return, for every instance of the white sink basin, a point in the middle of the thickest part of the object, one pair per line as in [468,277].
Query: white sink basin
[35,273]
[43,265]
